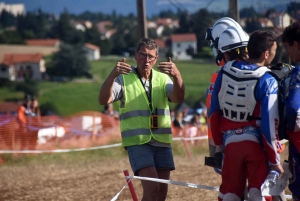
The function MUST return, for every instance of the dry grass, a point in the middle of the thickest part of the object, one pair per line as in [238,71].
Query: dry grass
[99,178]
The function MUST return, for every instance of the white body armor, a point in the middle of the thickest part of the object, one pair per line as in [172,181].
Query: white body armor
[236,95]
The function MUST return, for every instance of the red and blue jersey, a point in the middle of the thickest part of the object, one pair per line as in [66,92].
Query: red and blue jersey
[293,108]
[208,100]
[266,111]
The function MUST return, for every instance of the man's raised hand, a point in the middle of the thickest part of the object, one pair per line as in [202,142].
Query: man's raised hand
[122,68]
[168,68]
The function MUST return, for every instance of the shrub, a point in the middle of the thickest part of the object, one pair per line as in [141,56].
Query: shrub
[28,87]
[4,82]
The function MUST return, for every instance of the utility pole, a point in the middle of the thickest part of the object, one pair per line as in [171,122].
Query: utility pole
[234,12]
[142,22]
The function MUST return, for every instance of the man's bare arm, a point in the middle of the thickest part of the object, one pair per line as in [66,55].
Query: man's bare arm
[107,87]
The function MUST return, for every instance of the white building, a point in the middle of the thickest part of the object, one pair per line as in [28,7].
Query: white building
[16,67]
[182,44]
[82,25]
[15,9]
[93,52]
[280,20]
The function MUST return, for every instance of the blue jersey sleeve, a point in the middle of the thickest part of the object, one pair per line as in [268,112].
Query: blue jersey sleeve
[214,99]
[267,95]
[293,101]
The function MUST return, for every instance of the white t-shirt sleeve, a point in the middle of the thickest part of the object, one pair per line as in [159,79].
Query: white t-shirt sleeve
[169,87]
[117,91]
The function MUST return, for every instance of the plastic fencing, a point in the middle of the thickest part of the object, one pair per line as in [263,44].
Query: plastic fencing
[85,129]
[82,130]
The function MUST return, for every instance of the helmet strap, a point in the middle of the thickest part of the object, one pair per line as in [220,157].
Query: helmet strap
[219,58]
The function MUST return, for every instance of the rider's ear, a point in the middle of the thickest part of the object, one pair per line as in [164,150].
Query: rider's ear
[266,54]
[296,44]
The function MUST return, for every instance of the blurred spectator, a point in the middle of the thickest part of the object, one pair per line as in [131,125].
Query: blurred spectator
[109,110]
[178,121]
[194,126]
[23,111]
[196,120]
[203,122]
[197,125]
[198,116]
[35,110]
[29,120]
[172,114]
[34,121]
[202,118]
[204,114]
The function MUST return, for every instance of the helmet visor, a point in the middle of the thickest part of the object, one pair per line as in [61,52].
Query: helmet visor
[208,35]
[215,51]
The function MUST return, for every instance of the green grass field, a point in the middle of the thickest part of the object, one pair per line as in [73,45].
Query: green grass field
[82,94]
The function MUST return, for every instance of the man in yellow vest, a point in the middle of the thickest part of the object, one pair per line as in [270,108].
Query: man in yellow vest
[145,119]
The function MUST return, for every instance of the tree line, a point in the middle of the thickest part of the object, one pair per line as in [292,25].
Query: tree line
[71,62]
[38,24]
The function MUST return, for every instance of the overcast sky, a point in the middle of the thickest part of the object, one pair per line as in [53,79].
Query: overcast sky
[129,6]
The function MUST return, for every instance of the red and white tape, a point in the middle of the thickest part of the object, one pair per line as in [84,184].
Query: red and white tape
[84,149]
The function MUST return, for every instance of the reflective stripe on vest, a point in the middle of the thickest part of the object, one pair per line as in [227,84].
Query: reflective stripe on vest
[135,116]
[143,113]
[144,131]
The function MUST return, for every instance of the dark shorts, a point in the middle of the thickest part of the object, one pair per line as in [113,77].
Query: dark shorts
[141,156]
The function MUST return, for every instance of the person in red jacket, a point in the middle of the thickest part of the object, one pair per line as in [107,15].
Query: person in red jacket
[23,111]
[211,34]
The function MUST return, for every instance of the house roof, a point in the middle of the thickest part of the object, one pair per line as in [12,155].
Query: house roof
[103,26]
[91,46]
[10,59]
[164,21]
[183,37]
[160,43]
[43,42]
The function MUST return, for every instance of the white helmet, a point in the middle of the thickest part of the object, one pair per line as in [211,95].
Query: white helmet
[220,25]
[223,24]
[232,38]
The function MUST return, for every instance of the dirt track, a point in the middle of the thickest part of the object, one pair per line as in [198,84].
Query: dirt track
[98,178]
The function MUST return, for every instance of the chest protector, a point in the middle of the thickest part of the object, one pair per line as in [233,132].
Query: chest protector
[236,96]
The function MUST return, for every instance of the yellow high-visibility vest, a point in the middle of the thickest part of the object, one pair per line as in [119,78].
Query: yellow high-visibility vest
[135,117]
